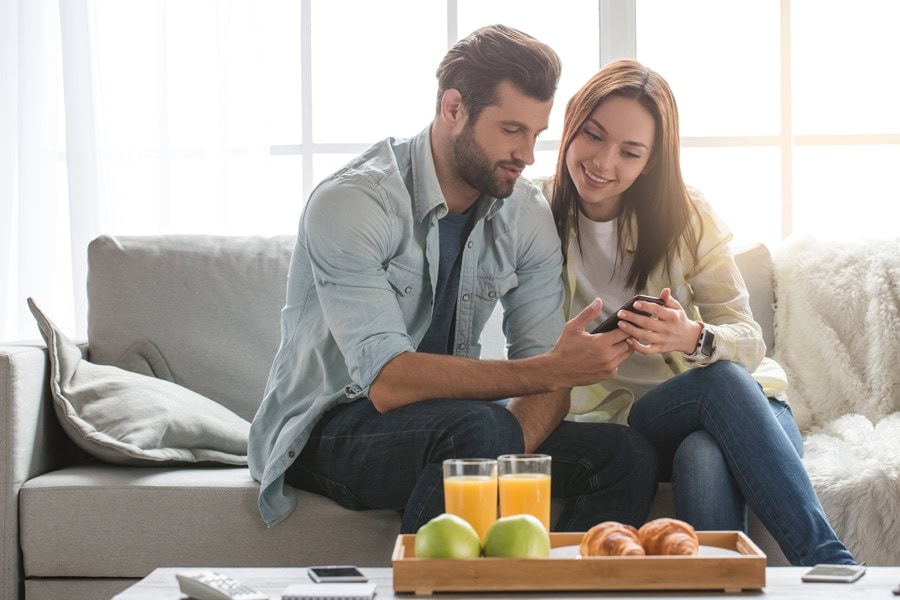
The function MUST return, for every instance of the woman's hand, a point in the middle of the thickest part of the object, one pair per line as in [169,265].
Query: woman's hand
[667,329]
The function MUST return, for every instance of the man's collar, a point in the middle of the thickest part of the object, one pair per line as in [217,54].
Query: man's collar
[427,195]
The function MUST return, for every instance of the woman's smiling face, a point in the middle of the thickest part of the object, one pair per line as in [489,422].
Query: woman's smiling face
[609,153]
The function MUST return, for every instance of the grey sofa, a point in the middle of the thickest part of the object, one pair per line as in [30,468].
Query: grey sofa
[74,527]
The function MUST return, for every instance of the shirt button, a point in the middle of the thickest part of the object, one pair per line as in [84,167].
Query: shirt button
[408,289]
[492,295]
[469,244]
[668,361]
[461,347]
[291,454]
[465,297]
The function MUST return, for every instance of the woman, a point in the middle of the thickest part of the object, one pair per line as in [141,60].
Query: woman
[693,385]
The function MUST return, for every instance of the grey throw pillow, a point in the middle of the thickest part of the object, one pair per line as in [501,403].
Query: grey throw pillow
[129,418]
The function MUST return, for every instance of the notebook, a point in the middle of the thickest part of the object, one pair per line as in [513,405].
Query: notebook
[329,591]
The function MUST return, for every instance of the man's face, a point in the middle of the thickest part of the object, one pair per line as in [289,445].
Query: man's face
[491,152]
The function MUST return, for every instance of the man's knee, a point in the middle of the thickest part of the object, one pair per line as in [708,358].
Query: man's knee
[486,430]
[628,452]
[642,454]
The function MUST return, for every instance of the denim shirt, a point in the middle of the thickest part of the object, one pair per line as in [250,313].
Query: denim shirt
[361,287]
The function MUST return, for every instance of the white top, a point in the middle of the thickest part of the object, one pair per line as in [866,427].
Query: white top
[595,277]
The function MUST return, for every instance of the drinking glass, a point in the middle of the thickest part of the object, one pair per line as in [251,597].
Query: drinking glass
[525,485]
[470,491]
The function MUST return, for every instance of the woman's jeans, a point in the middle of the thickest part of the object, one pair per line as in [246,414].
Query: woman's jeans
[365,459]
[724,445]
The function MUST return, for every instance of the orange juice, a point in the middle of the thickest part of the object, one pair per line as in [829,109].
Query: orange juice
[526,493]
[474,498]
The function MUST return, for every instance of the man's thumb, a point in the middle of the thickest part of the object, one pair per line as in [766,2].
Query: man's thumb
[590,312]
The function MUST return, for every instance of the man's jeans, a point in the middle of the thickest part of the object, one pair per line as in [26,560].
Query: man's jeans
[365,459]
[724,445]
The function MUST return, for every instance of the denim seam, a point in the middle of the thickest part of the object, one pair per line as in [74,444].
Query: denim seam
[758,503]
[426,499]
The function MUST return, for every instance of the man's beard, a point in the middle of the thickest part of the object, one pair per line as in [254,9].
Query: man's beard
[475,168]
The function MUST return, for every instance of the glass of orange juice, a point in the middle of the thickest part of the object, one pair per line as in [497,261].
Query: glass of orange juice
[470,491]
[525,485]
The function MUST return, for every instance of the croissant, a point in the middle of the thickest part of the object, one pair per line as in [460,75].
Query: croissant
[668,536]
[611,538]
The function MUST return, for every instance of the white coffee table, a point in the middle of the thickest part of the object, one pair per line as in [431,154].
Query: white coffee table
[781,583]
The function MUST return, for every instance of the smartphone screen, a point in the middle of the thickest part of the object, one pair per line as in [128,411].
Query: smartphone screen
[834,573]
[611,323]
[336,573]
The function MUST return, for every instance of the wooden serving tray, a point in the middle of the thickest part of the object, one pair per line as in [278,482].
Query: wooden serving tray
[728,573]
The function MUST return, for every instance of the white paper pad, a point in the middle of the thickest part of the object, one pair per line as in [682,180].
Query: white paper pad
[329,591]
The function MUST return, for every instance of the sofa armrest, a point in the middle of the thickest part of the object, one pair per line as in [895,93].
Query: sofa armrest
[31,443]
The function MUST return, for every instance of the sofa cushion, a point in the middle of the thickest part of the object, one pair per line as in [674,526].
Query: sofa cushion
[128,418]
[210,304]
[113,521]
[755,264]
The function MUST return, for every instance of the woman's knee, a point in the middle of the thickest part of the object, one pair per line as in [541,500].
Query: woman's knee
[723,372]
[699,454]
[728,385]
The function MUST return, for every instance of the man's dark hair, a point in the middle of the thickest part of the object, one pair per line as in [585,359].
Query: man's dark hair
[478,63]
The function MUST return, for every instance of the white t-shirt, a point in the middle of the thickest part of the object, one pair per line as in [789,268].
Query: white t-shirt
[595,278]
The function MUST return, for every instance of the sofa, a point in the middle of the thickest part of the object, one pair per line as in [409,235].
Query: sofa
[76,526]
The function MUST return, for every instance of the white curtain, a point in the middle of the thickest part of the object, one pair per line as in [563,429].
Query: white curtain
[36,247]
[137,118]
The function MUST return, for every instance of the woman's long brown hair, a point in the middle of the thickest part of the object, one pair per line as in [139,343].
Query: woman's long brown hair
[658,200]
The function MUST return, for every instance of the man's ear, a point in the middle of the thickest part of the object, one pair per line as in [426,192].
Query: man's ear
[452,109]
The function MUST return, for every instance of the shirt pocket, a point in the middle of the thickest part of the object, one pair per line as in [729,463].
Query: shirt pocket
[410,287]
[491,288]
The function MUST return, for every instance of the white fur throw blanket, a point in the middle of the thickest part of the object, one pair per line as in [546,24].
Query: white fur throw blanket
[855,470]
[837,327]
[837,331]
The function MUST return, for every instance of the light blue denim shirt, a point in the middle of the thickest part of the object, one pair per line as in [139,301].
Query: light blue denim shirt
[361,286]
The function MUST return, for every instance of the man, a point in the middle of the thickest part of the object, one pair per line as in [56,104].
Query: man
[400,259]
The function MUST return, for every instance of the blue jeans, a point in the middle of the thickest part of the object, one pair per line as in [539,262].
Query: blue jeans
[363,459]
[724,446]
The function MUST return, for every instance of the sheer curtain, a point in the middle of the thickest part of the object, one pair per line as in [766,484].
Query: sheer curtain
[36,257]
[135,118]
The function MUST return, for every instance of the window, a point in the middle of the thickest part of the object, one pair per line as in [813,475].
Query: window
[222,117]
[788,110]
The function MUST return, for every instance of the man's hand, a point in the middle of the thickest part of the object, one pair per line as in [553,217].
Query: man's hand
[585,358]
[582,358]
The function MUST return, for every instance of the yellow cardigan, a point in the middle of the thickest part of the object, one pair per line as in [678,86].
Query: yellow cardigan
[711,289]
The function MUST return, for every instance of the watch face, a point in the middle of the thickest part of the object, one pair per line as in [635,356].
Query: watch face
[707,342]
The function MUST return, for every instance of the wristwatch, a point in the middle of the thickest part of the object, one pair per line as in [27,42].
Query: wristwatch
[707,342]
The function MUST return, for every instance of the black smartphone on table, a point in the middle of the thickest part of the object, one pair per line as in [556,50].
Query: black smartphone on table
[336,574]
[613,321]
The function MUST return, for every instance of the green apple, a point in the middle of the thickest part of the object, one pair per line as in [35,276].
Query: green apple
[517,536]
[447,536]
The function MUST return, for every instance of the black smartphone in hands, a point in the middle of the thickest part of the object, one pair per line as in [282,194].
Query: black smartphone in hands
[611,323]
[336,573]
